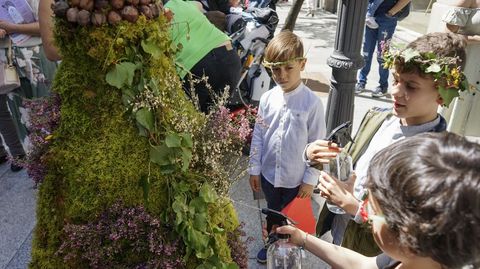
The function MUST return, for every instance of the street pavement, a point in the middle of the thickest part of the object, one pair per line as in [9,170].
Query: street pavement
[18,195]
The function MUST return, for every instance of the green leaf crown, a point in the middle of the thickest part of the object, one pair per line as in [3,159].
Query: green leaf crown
[446,71]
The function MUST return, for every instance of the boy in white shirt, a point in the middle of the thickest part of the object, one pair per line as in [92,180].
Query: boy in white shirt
[289,117]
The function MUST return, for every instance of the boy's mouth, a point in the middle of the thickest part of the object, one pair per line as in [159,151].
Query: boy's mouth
[397,105]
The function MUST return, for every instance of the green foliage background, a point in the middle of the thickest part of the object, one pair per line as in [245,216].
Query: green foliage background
[98,157]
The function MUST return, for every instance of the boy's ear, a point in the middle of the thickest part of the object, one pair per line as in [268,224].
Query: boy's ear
[302,64]
[439,100]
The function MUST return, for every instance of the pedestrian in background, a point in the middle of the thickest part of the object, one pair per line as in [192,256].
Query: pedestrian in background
[374,38]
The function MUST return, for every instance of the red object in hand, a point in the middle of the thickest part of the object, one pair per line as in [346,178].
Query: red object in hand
[300,210]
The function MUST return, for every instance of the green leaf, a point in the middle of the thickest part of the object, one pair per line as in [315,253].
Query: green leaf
[121,74]
[409,54]
[173,140]
[448,94]
[161,155]
[186,158]
[151,47]
[199,241]
[144,116]
[187,140]
[168,169]
[208,194]
[200,222]
[434,68]
[198,205]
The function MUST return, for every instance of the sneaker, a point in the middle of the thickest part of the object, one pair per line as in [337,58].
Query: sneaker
[371,23]
[379,92]
[17,167]
[359,87]
[262,256]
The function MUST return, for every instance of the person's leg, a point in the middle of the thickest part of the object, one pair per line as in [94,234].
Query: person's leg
[385,33]
[367,52]
[9,131]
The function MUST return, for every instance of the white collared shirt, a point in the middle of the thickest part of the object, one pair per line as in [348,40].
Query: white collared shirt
[286,123]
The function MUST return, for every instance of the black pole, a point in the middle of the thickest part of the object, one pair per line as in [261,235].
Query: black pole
[345,60]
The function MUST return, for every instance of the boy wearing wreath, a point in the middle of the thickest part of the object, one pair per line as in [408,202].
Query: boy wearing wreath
[428,73]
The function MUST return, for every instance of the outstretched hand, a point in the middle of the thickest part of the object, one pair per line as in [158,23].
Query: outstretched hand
[321,151]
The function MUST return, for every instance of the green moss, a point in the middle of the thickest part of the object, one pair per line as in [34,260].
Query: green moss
[97,156]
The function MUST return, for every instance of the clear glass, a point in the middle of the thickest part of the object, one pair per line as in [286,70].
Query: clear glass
[284,255]
[340,168]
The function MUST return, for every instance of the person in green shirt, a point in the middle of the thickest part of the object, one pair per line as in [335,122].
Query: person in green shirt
[205,51]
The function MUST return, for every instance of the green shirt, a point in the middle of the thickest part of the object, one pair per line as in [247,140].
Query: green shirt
[194,32]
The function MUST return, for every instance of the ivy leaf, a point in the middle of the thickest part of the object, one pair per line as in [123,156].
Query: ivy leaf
[151,47]
[200,222]
[121,74]
[409,54]
[186,158]
[447,95]
[208,194]
[173,140]
[187,140]
[168,169]
[161,155]
[197,205]
[144,116]
[434,68]
[199,241]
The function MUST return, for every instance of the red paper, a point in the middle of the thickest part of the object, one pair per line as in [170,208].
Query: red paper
[300,210]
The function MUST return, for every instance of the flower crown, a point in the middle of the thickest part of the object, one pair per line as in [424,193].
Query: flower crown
[446,71]
[275,64]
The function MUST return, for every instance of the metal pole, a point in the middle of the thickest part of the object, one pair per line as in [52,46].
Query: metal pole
[345,61]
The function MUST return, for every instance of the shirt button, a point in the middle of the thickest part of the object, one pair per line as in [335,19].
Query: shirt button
[278,166]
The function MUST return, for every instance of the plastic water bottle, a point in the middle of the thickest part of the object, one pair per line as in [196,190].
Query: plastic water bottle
[340,168]
[284,255]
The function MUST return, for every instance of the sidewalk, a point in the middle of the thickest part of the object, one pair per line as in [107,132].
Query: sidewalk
[18,198]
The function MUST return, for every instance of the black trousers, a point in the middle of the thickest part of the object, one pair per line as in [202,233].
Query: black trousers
[222,67]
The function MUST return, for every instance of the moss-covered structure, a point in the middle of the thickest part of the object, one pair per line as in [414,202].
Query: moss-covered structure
[101,154]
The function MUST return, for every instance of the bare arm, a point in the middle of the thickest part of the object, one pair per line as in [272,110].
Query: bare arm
[336,256]
[32,29]
[45,19]
[398,6]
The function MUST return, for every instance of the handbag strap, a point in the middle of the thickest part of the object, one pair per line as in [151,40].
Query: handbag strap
[10,54]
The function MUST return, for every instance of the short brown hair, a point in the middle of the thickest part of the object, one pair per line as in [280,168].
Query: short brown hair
[441,44]
[283,47]
[428,188]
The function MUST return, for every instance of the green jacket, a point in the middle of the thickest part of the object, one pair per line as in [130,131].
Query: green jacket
[358,237]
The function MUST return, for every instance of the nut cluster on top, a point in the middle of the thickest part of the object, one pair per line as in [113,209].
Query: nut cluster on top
[99,12]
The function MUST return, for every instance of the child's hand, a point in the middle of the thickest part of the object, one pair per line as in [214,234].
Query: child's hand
[255,183]
[337,192]
[321,151]
[296,235]
[305,191]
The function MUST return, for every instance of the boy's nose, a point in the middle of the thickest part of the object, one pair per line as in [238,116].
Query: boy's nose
[397,90]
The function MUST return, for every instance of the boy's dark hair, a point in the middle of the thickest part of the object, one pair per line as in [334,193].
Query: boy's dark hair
[442,44]
[428,188]
[283,47]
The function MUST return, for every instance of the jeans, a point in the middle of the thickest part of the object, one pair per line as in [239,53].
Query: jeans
[277,199]
[372,7]
[9,131]
[222,67]
[372,39]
